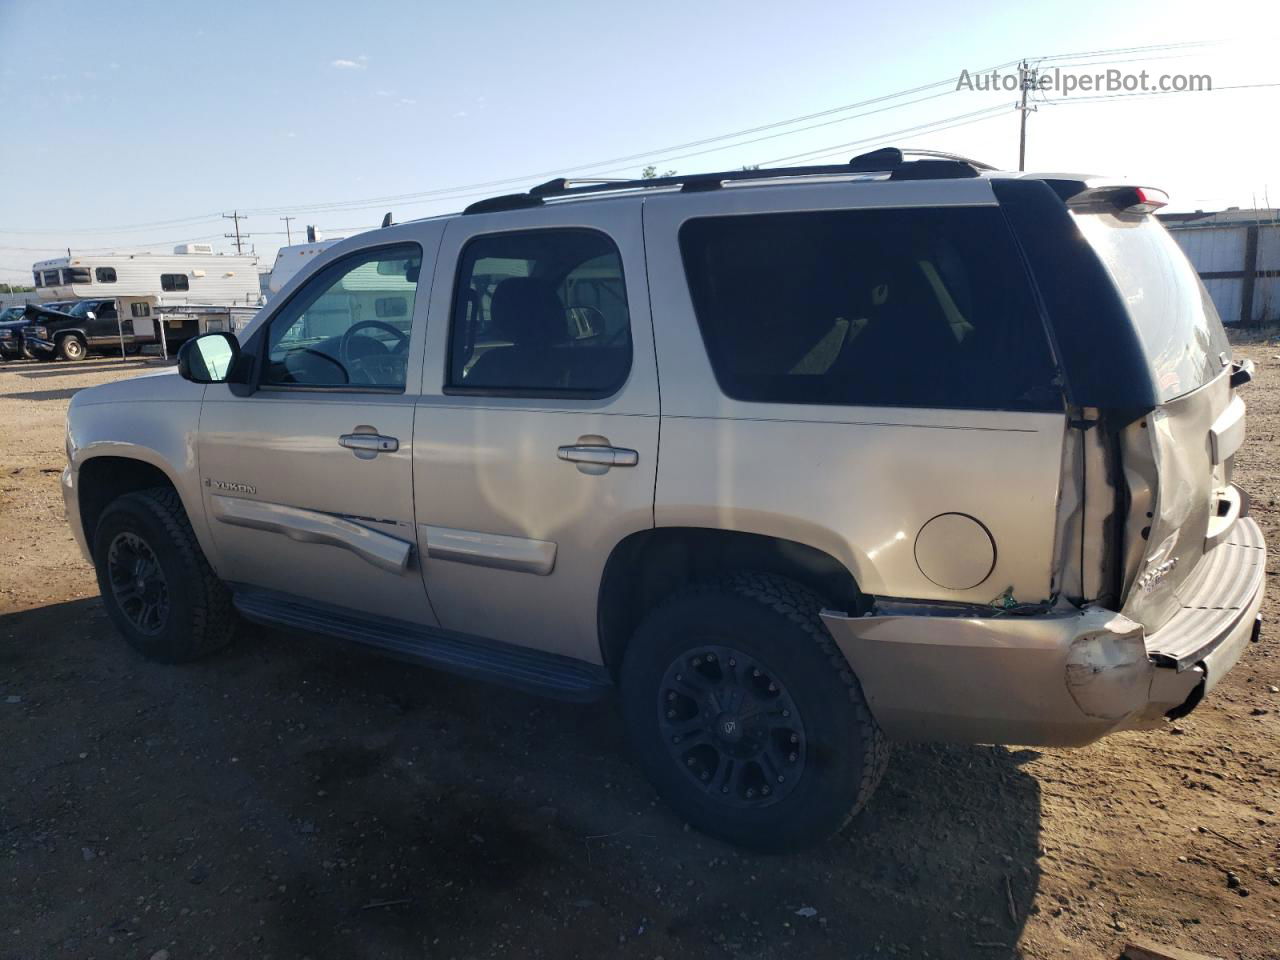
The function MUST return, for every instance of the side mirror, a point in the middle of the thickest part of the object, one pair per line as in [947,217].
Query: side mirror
[90,315]
[209,358]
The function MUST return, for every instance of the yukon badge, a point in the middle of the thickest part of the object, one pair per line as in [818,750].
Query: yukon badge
[231,486]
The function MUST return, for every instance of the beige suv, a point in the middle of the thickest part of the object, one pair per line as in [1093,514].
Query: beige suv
[796,461]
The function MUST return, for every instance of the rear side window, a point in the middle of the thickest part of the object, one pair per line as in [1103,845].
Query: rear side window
[542,313]
[916,307]
[105,274]
[170,282]
[1181,333]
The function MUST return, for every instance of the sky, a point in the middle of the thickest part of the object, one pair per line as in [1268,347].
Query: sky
[136,126]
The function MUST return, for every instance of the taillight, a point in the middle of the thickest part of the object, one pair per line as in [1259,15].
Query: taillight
[1145,200]
[1111,198]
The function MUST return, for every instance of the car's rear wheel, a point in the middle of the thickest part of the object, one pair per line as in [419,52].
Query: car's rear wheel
[72,347]
[746,717]
[156,584]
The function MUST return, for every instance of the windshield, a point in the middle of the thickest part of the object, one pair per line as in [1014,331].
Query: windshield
[10,313]
[1178,324]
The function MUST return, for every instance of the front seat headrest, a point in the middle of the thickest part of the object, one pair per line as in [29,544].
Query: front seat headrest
[526,310]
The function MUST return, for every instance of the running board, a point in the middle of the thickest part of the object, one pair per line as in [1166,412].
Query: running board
[533,671]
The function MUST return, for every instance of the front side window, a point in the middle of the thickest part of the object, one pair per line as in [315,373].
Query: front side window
[105,274]
[331,333]
[914,307]
[76,275]
[541,312]
[170,282]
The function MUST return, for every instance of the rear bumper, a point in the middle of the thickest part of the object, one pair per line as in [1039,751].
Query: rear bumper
[1065,677]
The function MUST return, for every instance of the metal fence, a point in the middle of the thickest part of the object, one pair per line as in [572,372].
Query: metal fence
[1239,262]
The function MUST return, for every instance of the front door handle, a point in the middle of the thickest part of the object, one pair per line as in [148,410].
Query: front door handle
[366,446]
[596,458]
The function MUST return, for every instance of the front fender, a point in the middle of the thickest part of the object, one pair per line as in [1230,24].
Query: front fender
[158,429]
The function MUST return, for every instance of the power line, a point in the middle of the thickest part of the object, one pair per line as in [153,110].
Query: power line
[659,155]
[1093,98]
[1117,51]
[202,218]
[918,128]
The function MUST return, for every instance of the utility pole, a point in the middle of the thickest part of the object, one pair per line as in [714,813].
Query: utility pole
[237,216]
[287,232]
[1026,77]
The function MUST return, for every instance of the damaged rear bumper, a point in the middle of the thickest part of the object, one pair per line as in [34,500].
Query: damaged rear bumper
[1057,678]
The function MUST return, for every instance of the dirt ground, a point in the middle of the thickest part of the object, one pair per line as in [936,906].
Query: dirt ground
[295,798]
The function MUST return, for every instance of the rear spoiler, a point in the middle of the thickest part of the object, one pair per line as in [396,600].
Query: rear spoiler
[1093,197]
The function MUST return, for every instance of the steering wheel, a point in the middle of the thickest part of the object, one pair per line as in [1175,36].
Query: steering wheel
[374,370]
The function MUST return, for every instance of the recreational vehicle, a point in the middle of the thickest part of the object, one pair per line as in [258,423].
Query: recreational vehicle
[291,259]
[175,289]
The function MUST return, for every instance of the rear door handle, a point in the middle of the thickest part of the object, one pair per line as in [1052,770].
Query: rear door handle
[597,458]
[366,446]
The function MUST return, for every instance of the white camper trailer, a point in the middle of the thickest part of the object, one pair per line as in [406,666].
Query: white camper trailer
[167,287]
[291,259]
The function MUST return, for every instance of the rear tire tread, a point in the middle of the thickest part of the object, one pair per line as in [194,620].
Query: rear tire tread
[801,607]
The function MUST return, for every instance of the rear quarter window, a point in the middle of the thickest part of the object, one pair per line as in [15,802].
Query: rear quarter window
[886,307]
[1177,323]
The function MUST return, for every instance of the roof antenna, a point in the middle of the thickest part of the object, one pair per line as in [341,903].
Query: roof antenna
[386,221]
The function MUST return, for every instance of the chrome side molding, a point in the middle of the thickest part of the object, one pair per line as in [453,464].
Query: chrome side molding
[488,549]
[311,526]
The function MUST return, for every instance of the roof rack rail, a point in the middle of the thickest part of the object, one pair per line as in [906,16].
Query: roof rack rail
[890,160]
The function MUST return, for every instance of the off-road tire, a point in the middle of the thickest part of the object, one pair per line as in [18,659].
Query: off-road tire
[72,348]
[775,622]
[200,618]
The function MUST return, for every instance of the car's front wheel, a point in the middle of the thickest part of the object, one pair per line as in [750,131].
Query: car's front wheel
[746,717]
[72,347]
[156,584]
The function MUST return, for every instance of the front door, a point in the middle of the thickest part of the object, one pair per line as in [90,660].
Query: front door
[536,440]
[104,330]
[307,473]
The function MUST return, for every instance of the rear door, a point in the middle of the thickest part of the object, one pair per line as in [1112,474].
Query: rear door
[536,438]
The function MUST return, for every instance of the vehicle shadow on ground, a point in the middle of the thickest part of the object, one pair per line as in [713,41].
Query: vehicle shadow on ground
[64,394]
[316,799]
[39,371]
